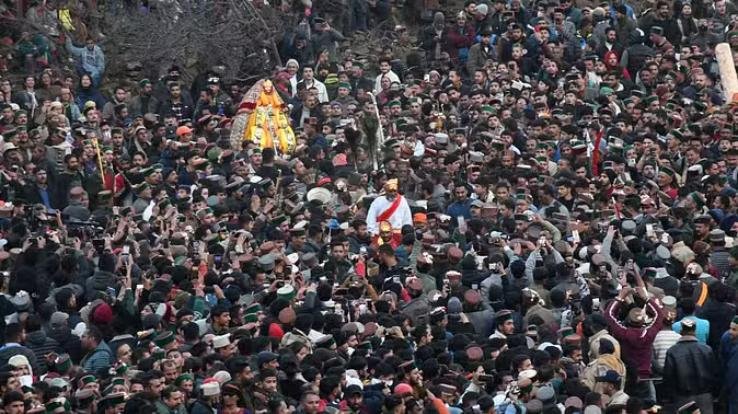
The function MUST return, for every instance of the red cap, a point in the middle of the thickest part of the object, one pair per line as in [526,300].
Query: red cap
[103,314]
[402,388]
[184,129]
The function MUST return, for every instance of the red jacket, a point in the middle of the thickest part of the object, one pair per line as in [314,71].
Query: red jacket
[458,39]
[636,343]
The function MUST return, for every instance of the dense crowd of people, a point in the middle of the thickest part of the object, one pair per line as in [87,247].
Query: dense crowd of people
[514,207]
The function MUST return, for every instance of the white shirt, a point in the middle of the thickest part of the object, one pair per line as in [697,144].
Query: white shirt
[399,218]
[322,91]
[293,85]
[378,81]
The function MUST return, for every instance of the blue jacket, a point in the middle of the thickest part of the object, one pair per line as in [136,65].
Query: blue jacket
[100,358]
[88,94]
[457,209]
[703,328]
[729,359]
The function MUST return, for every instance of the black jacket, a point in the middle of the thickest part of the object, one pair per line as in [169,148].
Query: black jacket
[690,368]
[719,314]
[98,284]
[68,342]
[41,345]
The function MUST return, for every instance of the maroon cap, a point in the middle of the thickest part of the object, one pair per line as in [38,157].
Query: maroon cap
[472,297]
[474,353]
[455,254]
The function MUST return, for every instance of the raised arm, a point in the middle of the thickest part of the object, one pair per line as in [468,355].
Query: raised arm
[611,314]
[74,50]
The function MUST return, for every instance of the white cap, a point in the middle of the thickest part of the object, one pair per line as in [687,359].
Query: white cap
[222,377]
[221,341]
[19,361]
[210,389]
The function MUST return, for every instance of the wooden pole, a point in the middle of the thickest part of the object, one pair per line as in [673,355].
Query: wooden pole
[379,134]
[726,65]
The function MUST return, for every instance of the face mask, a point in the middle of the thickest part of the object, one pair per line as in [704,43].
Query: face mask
[26,380]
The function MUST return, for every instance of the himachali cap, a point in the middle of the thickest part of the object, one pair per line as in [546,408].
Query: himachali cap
[717,236]
[58,382]
[182,378]
[668,171]
[210,389]
[325,341]
[110,401]
[84,395]
[503,316]
[546,395]
[669,302]
[408,366]
[58,405]
[658,30]
[121,369]
[688,324]
[164,339]
[688,408]
[87,379]
[266,262]
[63,363]
[221,341]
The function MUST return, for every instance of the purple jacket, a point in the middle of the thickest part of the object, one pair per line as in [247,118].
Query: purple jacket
[636,343]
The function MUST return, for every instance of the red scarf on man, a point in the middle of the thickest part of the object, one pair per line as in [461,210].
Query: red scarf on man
[386,214]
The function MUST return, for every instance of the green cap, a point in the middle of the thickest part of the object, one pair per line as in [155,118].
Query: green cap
[252,309]
[121,369]
[58,405]
[182,378]
[668,171]
[164,339]
[63,363]
[141,187]
[213,154]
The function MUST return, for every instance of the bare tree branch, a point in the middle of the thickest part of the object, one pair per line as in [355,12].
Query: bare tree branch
[229,33]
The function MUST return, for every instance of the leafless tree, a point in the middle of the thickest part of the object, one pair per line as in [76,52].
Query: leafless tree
[234,34]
